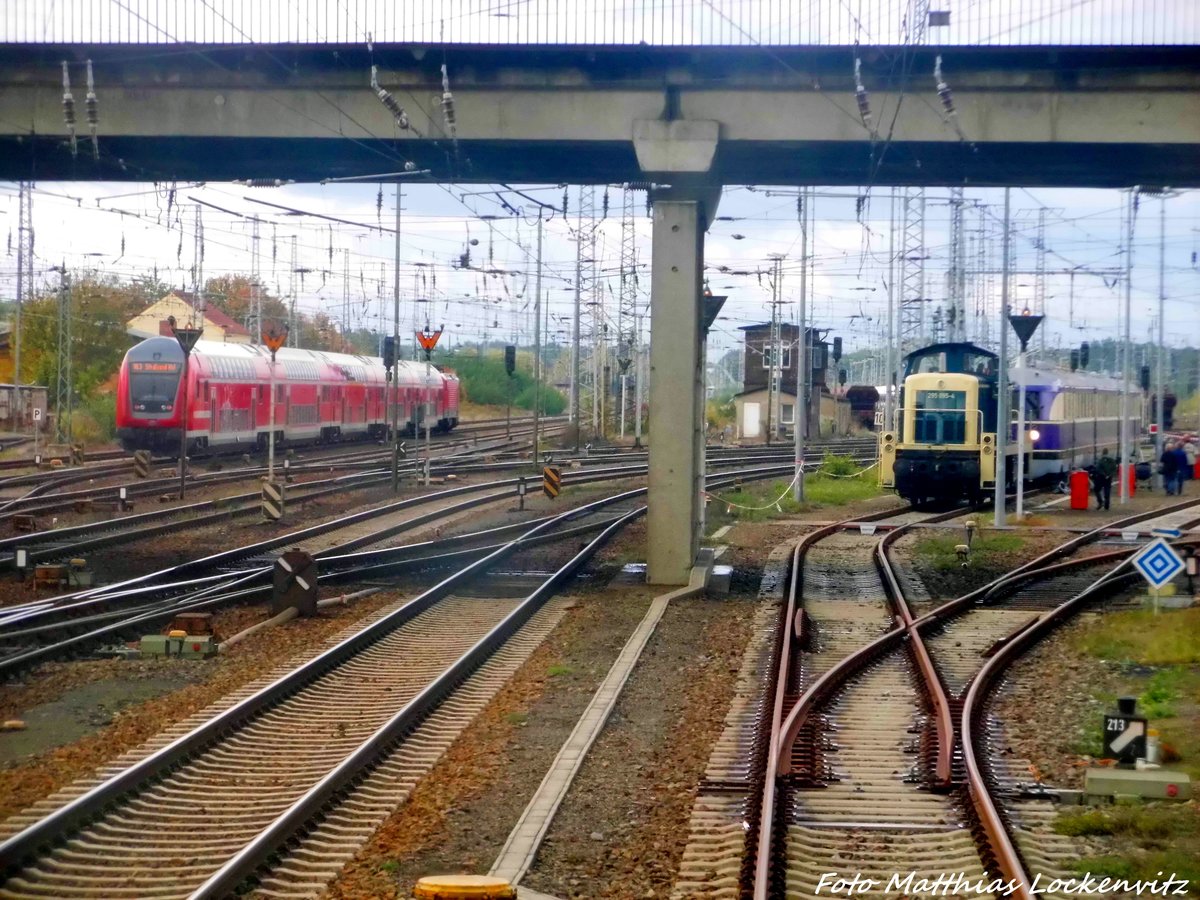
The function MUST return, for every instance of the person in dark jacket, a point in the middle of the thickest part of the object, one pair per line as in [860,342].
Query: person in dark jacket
[1181,466]
[1106,470]
[1169,463]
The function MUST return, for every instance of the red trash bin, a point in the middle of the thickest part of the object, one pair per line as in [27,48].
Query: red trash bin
[1080,489]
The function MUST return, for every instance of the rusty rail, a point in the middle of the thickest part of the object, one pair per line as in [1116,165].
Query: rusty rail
[785,728]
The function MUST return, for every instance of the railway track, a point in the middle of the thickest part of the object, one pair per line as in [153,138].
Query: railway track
[46,498]
[283,783]
[846,750]
[76,623]
[68,541]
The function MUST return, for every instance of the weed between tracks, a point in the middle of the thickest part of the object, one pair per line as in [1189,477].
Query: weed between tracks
[834,484]
[1155,657]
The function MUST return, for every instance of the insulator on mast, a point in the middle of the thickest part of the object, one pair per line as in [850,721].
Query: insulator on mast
[863,99]
[947,98]
[393,106]
[92,110]
[448,105]
[68,104]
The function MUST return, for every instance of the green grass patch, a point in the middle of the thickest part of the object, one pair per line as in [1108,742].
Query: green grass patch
[1140,841]
[559,669]
[1158,864]
[1158,700]
[1152,821]
[389,866]
[988,549]
[515,718]
[1142,637]
[756,502]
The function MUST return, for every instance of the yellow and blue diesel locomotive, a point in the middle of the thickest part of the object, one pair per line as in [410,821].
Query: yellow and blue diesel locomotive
[941,446]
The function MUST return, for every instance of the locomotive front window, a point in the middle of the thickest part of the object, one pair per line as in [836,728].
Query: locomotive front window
[941,417]
[152,385]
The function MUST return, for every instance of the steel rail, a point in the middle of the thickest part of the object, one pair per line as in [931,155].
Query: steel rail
[115,590]
[68,817]
[174,605]
[229,592]
[223,507]
[791,634]
[1008,857]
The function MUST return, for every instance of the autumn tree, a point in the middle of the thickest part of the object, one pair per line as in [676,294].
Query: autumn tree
[99,308]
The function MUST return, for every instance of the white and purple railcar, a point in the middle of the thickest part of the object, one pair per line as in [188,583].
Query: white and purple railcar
[1075,415]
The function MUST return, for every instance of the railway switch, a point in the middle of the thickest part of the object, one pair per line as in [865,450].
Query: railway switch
[24,522]
[79,575]
[49,575]
[295,581]
[178,643]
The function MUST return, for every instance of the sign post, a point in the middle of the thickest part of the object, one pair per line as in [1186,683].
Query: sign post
[187,338]
[274,335]
[37,426]
[428,340]
[1024,325]
[1125,733]
[1158,563]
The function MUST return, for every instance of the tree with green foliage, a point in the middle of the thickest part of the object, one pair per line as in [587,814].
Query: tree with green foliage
[485,382]
[100,306]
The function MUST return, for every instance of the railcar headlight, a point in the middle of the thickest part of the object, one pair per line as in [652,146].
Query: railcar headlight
[1034,434]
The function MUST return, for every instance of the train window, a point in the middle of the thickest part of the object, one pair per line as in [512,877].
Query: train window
[280,393]
[941,417]
[933,362]
[152,387]
[979,364]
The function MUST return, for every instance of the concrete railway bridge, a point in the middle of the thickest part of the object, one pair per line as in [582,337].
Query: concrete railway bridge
[683,120]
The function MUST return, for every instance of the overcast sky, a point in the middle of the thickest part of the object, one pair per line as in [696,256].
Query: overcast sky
[131,229]
[151,229]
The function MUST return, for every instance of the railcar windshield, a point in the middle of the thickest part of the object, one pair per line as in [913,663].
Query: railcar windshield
[940,417]
[152,385]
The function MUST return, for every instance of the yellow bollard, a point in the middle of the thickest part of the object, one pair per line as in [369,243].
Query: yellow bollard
[463,887]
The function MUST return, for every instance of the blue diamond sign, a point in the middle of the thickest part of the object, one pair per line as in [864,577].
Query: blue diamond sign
[1158,563]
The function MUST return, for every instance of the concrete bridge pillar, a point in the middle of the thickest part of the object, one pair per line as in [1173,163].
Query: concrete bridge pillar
[679,152]
[675,517]
[676,387]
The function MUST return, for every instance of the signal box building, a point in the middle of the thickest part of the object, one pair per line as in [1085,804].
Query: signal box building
[826,413]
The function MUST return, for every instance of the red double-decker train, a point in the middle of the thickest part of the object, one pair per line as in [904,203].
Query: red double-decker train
[319,397]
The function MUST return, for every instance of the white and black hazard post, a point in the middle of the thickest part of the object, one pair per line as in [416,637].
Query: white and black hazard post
[187,338]
[1125,733]
[274,335]
[141,463]
[37,426]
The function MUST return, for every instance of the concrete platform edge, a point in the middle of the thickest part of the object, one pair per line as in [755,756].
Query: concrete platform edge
[523,842]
